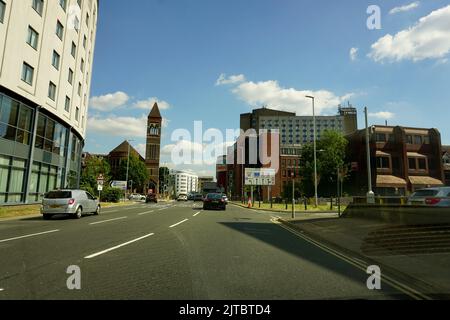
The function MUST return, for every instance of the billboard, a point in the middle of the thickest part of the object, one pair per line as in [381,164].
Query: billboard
[259,177]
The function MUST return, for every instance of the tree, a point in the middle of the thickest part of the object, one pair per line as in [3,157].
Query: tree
[94,166]
[330,156]
[137,172]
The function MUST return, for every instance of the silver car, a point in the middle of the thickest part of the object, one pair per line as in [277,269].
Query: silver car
[437,197]
[72,202]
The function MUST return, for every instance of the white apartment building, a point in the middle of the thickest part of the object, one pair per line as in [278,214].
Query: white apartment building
[185,182]
[46,57]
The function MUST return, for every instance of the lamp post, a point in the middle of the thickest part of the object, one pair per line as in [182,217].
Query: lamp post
[128,164]
[315,151]
[370,193]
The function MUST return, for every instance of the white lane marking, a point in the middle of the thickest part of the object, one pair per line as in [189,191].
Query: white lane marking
[176,224]
[117,247]
[146,212]
[28,235]
[109,220]
[1,289]
[163,208]
[197,214]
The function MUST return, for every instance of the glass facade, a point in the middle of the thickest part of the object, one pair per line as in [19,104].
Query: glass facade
[56,154]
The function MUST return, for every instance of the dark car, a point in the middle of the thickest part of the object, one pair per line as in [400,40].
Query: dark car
[151,197]
[214,201]
[197,197]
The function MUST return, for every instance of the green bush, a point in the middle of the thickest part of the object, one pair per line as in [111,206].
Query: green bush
[112,195]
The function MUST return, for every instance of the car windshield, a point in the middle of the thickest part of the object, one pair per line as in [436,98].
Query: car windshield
[59,195]
[229,150]
[425,193]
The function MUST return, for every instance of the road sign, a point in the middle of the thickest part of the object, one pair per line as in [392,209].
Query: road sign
[260,177]
[119,185]
[100,187]
[100,179]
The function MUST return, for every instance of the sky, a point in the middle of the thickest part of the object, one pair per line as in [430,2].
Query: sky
[211,60]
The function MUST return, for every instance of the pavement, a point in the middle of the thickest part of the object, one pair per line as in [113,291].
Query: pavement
[173,251]
[418,255]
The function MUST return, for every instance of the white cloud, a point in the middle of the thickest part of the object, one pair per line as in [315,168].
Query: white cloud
[354,54]
[405,8]
[109,101]
[270,93]
[148,104]
[223,80]
[383,115]
[429,38]
[126,127]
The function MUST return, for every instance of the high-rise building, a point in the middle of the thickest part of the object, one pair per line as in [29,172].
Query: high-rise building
[153,147]
[298,130]
[46,57]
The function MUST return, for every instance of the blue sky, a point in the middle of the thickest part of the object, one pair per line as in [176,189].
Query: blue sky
[275,51]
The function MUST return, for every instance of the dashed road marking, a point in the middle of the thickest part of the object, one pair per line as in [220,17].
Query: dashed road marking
[28,236]
[176,224]
[117,247]
[109,220]
[146,212]
[197,214]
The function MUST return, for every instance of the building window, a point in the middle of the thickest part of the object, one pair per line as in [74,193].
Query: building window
[70,79]
[55,59]
[87,20]
[383,163]
[76,24]
[422,164]
[27,73]
[409,139]
[79,89]
[77,114]
[67,104]
[412,164]
[82,65]
[38,6]
[380,137]
[15,121]
[2,11]
[63,4]
[33,38]
[79,3]
[59,30]
[418,140]
[84,42]
[52,91]
[73,51]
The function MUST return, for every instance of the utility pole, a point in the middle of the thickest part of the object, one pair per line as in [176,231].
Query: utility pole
[293,195]
[370,193]
[316,196]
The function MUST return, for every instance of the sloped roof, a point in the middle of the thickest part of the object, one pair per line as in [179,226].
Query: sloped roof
[425,181]
[155,112]
[388,180]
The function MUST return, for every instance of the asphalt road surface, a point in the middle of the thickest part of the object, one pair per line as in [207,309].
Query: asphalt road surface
[172,251]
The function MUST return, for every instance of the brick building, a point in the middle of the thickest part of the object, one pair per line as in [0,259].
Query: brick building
[402,160]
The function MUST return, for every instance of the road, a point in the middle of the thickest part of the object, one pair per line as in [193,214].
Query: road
[172,251]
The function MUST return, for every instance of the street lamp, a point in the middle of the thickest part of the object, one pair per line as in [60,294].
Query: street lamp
[370,193]
[128,164]
[315,151]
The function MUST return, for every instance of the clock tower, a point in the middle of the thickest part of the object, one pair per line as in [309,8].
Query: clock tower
[152,152]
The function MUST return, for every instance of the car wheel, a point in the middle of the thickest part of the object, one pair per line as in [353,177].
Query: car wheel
[47,216]
[78,213]
[97,212]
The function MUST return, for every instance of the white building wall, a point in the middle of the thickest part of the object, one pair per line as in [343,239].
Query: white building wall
[14,51]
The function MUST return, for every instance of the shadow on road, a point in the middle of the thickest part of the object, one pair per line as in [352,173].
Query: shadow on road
[283,240]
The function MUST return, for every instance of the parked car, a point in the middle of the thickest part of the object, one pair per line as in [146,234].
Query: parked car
[134,196]
[182,197]
[190,197]
[214,201]
[72,202]
[437,197]
[151,197]
[198,197]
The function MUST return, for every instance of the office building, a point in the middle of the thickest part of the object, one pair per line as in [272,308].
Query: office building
[46,57]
